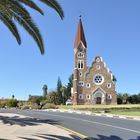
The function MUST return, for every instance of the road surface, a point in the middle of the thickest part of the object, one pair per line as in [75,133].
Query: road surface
[97,127]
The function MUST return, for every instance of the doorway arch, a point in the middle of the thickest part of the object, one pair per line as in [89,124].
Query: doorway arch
[98,97]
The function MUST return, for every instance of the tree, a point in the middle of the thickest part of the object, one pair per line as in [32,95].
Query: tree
[30,96]
[13,96]
[125,98]
[52,98]
[36,99]
[69,86]
[62,89]
[135,99]
[12,11]
[12,103]
[114,78]
[58,91]
[138,96]
[130,99]
[119,98]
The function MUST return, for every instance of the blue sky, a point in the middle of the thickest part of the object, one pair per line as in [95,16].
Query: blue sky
[112,29]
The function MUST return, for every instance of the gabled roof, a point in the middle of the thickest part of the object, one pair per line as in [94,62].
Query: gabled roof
[80,36]
[98,89]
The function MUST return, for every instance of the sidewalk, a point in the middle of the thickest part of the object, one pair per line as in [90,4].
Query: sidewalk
[18,127]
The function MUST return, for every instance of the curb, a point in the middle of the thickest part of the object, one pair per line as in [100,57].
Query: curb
[78,135]
[94,114]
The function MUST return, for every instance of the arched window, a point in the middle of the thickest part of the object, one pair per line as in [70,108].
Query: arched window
[81,83]
[88,96]
[80,74]
[80,96]
[109,96]
[88,85]
[108,85]
[80,64]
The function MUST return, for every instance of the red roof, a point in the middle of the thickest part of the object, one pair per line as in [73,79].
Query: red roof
[80,36]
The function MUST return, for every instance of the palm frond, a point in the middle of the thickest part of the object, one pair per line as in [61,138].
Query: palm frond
[21,15]
[32,29]
[11,26]
[55,5]
[14,10]
[32,5]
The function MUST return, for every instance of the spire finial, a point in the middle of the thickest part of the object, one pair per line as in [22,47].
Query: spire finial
[80,16]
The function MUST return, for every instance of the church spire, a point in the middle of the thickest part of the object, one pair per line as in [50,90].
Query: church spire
[80,36]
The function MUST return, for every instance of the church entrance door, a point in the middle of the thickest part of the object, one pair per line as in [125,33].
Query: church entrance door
[98,97]
[98,100]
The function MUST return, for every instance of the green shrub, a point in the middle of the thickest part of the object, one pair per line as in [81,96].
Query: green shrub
[25,107]
[2,104]
[49,106]
[12,103]
[34,106]
[107,111]
[36,99]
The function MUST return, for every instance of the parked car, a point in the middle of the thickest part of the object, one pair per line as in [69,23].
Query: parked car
[69,102]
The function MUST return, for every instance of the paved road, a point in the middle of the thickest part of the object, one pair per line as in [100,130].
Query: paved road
[99,128]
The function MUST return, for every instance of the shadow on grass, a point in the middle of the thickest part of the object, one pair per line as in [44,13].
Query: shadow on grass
[27,121]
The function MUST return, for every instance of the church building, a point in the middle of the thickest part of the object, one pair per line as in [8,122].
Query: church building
[94,84]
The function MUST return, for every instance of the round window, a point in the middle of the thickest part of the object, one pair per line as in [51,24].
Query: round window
[80,74]
[88,85]
[109,85]
[98,67]
[97,59]
[109,96]
[88,96]
[98,79]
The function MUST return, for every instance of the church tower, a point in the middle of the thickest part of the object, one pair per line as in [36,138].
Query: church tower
[94,84]
[80,66]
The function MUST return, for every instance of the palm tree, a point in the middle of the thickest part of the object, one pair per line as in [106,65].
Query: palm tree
[13,96]
[12,11]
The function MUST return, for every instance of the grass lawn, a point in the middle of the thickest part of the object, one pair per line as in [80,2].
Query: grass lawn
[129,109]
[79,107]
[126,112]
